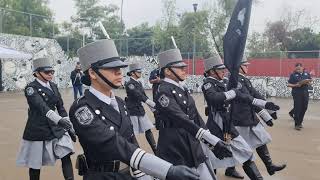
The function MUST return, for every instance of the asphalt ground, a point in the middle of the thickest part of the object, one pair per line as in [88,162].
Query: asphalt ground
[299,149]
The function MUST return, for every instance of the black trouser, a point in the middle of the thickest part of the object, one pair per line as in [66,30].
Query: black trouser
[67,170]
[300,105]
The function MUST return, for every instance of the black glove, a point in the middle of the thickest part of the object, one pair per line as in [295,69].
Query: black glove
[182,173]
[271,106]
[64,123]
[73,135]
[243,97]
[274,115]
[269,123]
[221,150]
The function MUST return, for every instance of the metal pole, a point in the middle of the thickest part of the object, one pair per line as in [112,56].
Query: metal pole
[127,47]
[193,53]
[195,5]
[1,19]
[83,40]
[122,28]
[52,28]
[30,25]
[68,46]
[152,41]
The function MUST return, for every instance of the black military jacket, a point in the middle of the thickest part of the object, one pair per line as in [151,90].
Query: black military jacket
[40,100]
[244,114]
[180,123]
[297,77]
[135,95]
[104,134]
[213,91]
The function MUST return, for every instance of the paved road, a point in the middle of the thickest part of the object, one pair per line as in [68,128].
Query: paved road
[300,150]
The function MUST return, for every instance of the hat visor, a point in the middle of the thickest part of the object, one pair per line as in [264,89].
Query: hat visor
[179,65]
[245,63]
[222,66]
[114,64]
[138,70]
[43,69]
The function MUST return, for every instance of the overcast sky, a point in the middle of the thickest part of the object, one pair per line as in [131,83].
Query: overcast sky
[136,12]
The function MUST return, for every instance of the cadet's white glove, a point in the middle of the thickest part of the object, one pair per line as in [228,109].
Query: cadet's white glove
[150,103]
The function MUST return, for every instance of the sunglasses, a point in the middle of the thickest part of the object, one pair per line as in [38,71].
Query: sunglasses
[48,72]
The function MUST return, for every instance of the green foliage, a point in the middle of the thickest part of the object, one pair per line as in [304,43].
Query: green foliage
[15,22]
[140,41]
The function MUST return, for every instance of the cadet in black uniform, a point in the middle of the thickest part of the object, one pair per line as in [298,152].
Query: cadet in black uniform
[135,97]
[218,99]
[45,137]
[245,119]
[103,126]
[182,127]
[154,79]
[299,82]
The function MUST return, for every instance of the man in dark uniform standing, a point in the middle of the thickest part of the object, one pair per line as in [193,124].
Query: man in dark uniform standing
[299,82]
[103,126]
[244,117]
[182,130]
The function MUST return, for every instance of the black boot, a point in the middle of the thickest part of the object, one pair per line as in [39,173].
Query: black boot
[250,168]
[67,168]
[151,141]
[264,154]
[34,174]
[232,172]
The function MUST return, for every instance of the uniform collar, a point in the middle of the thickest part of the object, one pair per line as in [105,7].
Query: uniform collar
[101,96]
[242,75]
[137,80]
[47,84]
[210,77]
[168,80]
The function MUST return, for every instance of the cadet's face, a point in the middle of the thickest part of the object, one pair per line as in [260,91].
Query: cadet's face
[244,69]
[299,69]
[48,75]
[138,74]
[181,72]
[221,73]
[114,75]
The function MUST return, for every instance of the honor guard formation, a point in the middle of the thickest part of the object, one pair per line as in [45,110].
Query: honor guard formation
[188,147]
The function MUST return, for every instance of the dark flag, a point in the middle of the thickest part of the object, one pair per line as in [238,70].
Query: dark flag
[234,42]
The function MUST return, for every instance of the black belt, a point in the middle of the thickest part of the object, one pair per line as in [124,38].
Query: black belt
[111,166]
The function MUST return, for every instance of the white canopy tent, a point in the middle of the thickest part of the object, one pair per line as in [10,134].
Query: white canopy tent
[8,53]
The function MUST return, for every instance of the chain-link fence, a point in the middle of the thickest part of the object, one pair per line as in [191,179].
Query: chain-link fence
[26,24]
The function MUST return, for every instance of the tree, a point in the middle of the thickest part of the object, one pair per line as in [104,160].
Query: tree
[218,14]
[14,22]
[90,12]
[140,41]
[303,39]
[167,27]
[193,25]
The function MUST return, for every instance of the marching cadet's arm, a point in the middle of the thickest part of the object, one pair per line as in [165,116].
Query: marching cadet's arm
[167,104]
[60,107]
[34,99]
[140,95]
[105,140]
[217,97]
[132,89]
